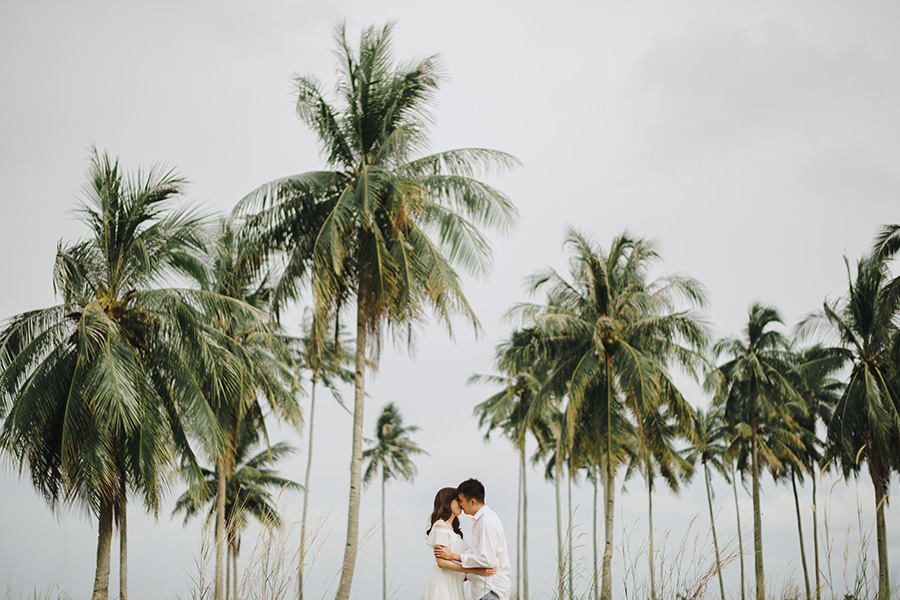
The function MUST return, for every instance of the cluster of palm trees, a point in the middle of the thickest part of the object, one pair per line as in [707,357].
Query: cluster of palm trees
[128,382]
[587,374]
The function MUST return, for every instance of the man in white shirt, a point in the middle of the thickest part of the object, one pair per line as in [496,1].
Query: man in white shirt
[487,547]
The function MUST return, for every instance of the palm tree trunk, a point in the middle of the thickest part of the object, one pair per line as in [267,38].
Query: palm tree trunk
[104,542]
[737,512]
[800,533]
[123,522]
[606,589]
[878,481]
[350,548]
[123,539]
[712,521]
[815,520]
[519,530]
[650,553]
[220,532]
[757,515]
[312,414]
[560,558]
[608,491]
[383,539]
[228,573]
[596,585]
[570,558]
[234,570]
[524,595]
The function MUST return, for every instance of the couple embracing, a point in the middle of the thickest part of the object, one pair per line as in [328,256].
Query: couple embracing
[484,561]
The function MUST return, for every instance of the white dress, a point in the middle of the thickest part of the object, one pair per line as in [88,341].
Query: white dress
[444,584]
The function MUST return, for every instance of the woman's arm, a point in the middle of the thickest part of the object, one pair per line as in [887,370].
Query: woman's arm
[455,566]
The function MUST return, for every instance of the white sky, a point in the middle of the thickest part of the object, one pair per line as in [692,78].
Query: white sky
[758,142]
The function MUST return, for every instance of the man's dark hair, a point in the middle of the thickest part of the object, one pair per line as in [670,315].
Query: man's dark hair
[471,488]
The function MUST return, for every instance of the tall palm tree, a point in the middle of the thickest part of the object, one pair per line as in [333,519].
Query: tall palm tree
[555,452]
[327,362]
[258,365]
[98,393]
[247,491]
[385,227]
[866,421]
[709,448]
[391,453]
[616,333]
[754,389]
[519,408]
[657,429]
[814,381]
[738,473]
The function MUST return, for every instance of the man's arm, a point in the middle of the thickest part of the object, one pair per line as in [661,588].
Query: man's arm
[455,566]
[483,551]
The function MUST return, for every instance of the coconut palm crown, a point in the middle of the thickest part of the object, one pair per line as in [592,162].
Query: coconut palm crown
[614,333]
[865,426]
[86,386]
[387,226]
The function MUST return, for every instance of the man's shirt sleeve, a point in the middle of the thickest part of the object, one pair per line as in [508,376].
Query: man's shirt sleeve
[483,550]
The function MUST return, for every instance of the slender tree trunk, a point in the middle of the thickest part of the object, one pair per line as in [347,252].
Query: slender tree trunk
[878,481]
[350,548]
[228,573]
[560,560]
[712,522]
[234,570]
[650,554]
[524,527]
[104,542]
[815,520]
[123,546]
[383,539]
[737,512]
[309,458]
[596,586]
[519,530]
[608,497]
[757,515]
[570,559]
[220,532]
[800,533]
[608,491]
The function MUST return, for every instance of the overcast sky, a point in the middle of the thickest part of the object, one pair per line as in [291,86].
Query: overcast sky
[757,142]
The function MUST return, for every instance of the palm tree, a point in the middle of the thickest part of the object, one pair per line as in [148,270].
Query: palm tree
[257,365]
[518,408]
[385,228]
[736,473]
[709,448]
[656,430]
[554,450]
[754,389]
[326,361]
[390,453]
[615,333]
[247,491]
[866,421]
[98,393]
[814,381]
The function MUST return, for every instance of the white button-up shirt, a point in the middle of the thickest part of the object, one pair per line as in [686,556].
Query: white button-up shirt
[486,549]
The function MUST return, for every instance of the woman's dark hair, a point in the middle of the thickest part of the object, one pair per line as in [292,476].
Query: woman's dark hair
[442,501]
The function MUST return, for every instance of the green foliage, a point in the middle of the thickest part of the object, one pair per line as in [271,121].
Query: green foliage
[392,449]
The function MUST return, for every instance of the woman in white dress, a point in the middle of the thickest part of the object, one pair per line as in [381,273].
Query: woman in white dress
[445,582]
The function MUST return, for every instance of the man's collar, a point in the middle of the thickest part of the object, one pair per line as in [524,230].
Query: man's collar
[480,512]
